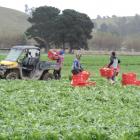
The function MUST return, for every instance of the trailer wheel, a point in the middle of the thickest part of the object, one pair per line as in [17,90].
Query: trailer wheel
[12,75]
[47,76]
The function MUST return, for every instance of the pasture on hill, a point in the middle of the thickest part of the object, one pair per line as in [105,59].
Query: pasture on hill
[15,24]
[54,110]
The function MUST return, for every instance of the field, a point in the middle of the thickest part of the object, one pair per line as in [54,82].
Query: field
[53,110]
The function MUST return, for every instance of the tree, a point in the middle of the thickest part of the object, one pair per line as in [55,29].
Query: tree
[99,17]
[42,20]
[103,27]
[73,28]
[26,8]
[50,27]
[107,41]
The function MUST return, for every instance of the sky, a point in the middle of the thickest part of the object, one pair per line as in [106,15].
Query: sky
[90,7]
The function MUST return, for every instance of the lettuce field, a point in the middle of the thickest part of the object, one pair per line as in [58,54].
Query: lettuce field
[54,110]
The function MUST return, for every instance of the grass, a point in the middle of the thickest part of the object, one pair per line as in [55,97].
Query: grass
[54,110]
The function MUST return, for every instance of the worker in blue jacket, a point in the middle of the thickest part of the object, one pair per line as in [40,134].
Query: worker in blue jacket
[76,66]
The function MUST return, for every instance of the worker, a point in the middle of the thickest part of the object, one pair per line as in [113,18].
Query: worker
[114,64]
[76,67]
[25,60]
[59,64]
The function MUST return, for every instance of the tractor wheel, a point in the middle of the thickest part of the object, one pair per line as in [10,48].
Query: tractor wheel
[47,76]
[12,75]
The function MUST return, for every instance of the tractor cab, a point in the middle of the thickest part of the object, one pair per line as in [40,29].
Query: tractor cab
[28,59]
[24,62]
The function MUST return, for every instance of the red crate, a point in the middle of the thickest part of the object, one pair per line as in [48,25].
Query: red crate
[85,75]
[129,78]
[81,79]
[53,55]
[137,83]
[106,72]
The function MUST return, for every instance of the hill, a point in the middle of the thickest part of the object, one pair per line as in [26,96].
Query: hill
[116,33]
[13,24]
[12,21]
[114,20]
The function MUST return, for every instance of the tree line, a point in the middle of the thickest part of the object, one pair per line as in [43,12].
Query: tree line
[118,33]
[74,30]
[71,29]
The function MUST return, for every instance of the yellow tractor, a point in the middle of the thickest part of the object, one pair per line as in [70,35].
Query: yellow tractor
[23,62]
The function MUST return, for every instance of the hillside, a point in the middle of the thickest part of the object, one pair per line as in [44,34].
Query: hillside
[116,33]
[12,22]
[112,20]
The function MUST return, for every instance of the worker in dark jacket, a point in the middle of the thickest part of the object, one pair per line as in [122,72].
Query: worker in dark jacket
[114,61]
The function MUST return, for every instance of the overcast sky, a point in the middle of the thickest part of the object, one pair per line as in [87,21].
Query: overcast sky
[91,7]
